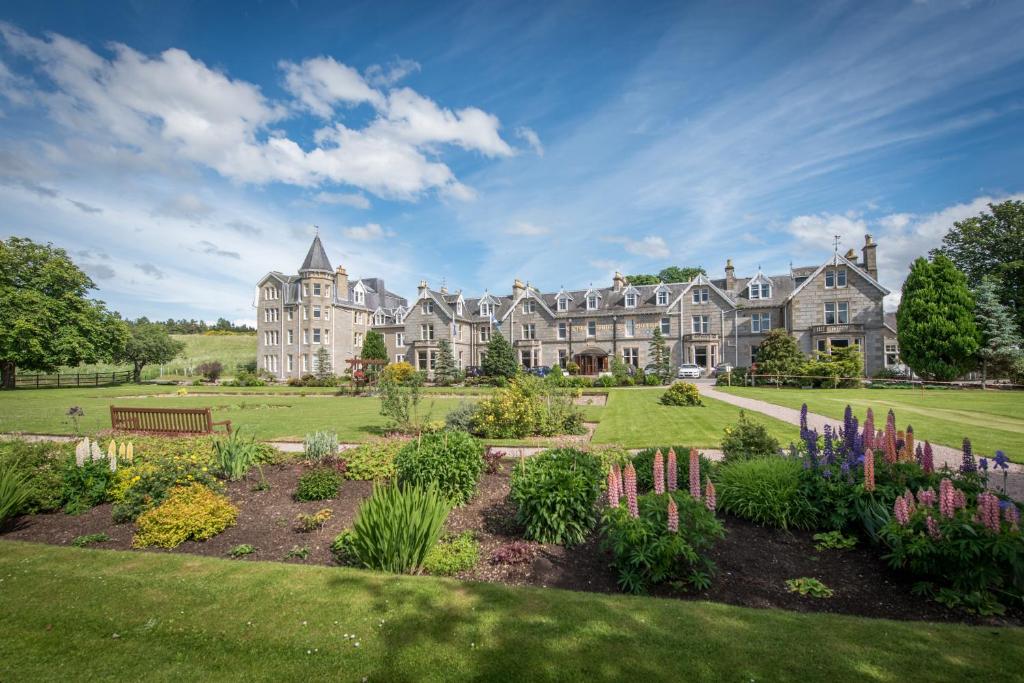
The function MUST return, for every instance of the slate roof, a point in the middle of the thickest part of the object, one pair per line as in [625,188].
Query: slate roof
[316,258]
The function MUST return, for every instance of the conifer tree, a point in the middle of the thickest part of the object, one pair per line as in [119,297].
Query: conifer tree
[660,356]
[1000,350]
[444,364]
[937,334]
[500,360]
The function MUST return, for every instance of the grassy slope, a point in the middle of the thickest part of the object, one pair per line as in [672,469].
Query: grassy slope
[268,416]
[179,617]
[991,419]
[230,350]
[634,418]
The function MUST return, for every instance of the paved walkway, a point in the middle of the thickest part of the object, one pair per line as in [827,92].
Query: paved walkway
[944,455]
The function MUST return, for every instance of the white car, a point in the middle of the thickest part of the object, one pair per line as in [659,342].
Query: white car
[689,370]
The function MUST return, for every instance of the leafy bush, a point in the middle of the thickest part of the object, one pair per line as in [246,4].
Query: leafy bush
[241,550]
[765,491]
[159,464]
[646,551]
[452,555]
[297,553]
[652,380]
[555,494]
[42,464]
[89,539]
[321,483]
[834,540]
[15,490]
[827,368]
[643,463]
[461,418]
[210,370]
[681,394]
[397,372]
[450,460]
[735,377]
[189,513]
[527,407]
[320,446]
[85,486]
[748,439]
[234,456]
[395,528]
[306,523]
[808,587]
[373,461]
[246,379]
[400,400]
[605,381]
[515,552]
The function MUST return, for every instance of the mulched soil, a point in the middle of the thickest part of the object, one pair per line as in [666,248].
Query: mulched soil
[753,562]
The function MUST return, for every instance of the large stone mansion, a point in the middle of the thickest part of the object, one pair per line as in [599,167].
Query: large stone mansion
[705,321]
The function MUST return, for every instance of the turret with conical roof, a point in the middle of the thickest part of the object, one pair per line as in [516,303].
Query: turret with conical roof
[316,259]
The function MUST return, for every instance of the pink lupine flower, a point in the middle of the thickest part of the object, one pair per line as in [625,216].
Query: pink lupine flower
[630,476]
[926,497]
[869,470]
[880,440]
[900,511]
[619,479]
[869,430]
[909,498]
[928,459]
[1012,515]
[889,443]
[909,446]
[673,515]
[947,503]
[709,496]
[613,488]
[988,511]
[933,527]
[694,474]
[659,472]
[959,499]
[673,470]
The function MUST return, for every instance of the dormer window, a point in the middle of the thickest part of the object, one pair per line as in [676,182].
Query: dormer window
[631,300]
[378,319]
[487,309]
[528,306]
[563,303]
[458,308]
[662,298]
[358,296]
[427,307]
[700,295]
[592,302]
[835,277]
[761,290]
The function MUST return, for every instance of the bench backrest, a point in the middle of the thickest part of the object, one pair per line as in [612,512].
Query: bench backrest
[175,420]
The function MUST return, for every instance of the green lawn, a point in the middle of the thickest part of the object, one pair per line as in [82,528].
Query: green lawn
[266,415]
[76,614]
[634,418]
[230,350]
[991,419]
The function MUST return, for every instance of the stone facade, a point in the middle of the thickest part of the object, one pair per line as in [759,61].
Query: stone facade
[705,321]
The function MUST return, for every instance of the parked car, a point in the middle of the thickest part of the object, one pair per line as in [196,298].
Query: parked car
[723,368]
[689,370]
[540,370]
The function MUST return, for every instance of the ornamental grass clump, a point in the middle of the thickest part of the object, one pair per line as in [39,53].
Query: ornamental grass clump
[395,528]
[556,493]
[234,456]
[766,491]
[15,490]
[190,513]
[320,447]
[451,461]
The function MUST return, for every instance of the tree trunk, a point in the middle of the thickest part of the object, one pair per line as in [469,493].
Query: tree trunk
[138,373]
[6,374]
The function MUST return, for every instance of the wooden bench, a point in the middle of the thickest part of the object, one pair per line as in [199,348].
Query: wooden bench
[165,420]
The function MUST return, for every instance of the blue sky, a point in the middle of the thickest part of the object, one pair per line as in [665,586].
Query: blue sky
[182,150]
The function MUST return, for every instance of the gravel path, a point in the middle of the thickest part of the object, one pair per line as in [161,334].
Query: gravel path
[944,455]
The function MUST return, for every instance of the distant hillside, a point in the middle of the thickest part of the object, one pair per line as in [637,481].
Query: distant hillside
[230,349]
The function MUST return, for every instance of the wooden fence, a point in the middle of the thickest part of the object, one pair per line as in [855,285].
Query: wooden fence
[72,379]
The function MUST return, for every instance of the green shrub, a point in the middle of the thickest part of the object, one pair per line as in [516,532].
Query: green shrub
[234,456]
[605,381]
[246,379]
[452,461]
[765,491]
[395,528]
[527,407]
[681,394]
[320,447]
[42,464]
[748,439]
[89,539]
[373,461]
[461,419]
[15,490]
[735,377]
[189,513]
[159,464]
[85,486]
[833,540]
[555,494]
[241,550]
[452,555]
[646,552]
[343,548]
[643,463]
[313,522]
[652,380]
[321,483]
[808,587]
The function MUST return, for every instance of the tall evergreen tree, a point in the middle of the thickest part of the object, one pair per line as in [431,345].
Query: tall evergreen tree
[373,349]
[1000,350]
[500,360]
[444,364]
[937,334]
[660,356]
[323,369]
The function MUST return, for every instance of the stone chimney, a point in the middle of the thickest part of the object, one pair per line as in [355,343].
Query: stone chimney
[517,288]
[422,288]
[870,258]
[730,276]
[444,290]
[341,282]
[618,282]
[851,256]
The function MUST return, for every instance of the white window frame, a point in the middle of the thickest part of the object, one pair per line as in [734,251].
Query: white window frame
[316,335]
[591,328]
[631,356]
[427,308]
[700,324]
[631,300]
[701,295]
[485,334]
[593,302]
[291,337]
[316,289]
[291,362]
[666,325]
[529,306]
[662,298]
[760,322]
[399,339]
[629,328]
[486,309]
[305,337]
[529,331]
[426,332]
[563,330]
[562,303]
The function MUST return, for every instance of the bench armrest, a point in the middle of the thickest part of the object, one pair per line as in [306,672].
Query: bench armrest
[225,423]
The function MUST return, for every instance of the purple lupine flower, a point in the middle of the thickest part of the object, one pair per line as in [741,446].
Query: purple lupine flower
[919,454]
[933,527]
[803,421]
[1001,461]
[811,439]
[968,464]
[983,465]
[900,511]
[829,453]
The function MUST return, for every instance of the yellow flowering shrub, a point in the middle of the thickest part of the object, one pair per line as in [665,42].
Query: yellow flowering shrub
[191,512]
[527,407]
[160,464]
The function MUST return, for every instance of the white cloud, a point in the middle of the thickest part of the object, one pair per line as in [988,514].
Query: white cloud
[819,230]
[365,233]
[355,200]
[321,83]
[531,138]
[527,229]
[389,74]
[652,247]
[187,206]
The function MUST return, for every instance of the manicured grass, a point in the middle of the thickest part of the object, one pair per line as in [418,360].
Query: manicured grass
[634,418]
[103,615]
[230,350]
[991,419]
[265,416]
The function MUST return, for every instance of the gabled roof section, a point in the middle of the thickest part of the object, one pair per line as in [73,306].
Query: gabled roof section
[487,299]
[316,259]
[280,277]
[528,293]
[839,260]
[562,294]
[761,279]
[438,299]
[702,280]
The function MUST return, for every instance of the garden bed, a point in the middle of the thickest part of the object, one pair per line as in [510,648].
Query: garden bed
[753,562]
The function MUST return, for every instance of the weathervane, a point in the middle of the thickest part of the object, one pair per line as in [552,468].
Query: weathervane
[316,230]
[835,242]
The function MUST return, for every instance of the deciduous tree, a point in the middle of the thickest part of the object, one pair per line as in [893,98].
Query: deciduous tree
[147,343]
[778,354]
